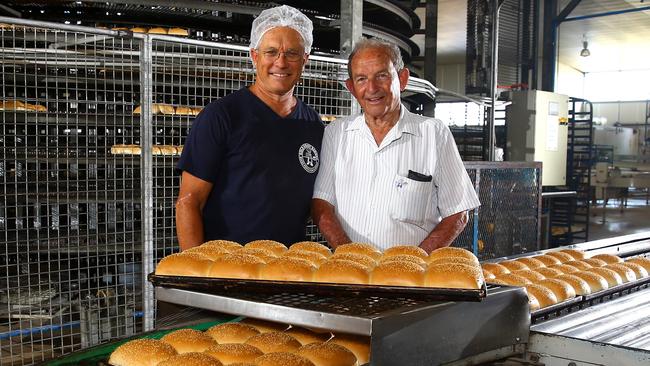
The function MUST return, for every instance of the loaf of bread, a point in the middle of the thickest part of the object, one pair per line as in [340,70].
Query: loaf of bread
[145,352]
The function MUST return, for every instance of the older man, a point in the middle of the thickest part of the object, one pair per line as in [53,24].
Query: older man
[251,158]
[389,177]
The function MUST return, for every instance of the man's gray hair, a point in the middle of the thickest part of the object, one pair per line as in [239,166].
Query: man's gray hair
[391,49]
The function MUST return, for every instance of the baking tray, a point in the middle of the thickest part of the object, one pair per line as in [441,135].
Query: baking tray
[231,287]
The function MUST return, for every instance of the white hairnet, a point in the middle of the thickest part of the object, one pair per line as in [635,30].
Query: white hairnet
[282,16]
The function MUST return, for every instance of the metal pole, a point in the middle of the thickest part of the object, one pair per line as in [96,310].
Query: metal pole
[494,52]
[146,137]
[351,31]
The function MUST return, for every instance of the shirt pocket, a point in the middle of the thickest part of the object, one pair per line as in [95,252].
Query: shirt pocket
[409,200]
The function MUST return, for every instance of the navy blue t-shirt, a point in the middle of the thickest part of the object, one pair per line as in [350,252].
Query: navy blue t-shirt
[262,167]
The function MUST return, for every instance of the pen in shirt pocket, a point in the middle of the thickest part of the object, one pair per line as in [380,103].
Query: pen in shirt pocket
[419,177]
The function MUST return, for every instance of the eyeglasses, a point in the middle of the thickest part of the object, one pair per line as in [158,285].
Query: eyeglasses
[291,56]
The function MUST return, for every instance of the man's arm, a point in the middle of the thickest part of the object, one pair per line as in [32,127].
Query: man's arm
[192,197]
[445,232]
[323,215]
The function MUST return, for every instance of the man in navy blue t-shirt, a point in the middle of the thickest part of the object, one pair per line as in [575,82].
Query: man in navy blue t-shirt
[250,161]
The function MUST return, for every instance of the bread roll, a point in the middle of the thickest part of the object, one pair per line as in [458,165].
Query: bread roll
[596,282]
[459,260]
[191,359]
[359,345]
[359,248]
[531,263]
[212,252]
[575,254]
[177,32]
[626,273]
[196,110]
[565,269]
[229,353]
[562,256]
[511,279]
[396,273]
[580,286]
[282,359]
[451,252]
[612,277]
[275,247]
[265,326]
[311,246]
[608,258]
[40,108]
[454,276]
[327,354]
[548,260]
[533,304]
[166,109]
[188,340]
[306,336]
[513,266]
[562,290]
[405,258]
[642,261]
[488,275]
[232,332]
[342,271]
[639,271]
[231,246]
[580,265]
[141,352]
[495,268]
[594,262]
[530,275]
[544,296]
[264,255]
[184,264]
[137,110]
[312,257]
[235,265]
[405,249]
[549,272]
[274,342]
[363,259]
[288,269]
[12,105]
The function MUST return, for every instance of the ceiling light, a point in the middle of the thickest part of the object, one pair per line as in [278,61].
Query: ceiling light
[585,49]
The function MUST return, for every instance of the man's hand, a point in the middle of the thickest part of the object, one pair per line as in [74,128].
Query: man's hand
[323,215]
[192,197]
[445,232]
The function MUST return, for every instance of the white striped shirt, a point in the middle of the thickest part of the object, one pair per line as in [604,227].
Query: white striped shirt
[368,185]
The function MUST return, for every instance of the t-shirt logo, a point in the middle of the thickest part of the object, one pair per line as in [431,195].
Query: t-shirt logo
[308,157]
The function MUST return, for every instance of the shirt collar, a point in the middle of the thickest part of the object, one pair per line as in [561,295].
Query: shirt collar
[405,123]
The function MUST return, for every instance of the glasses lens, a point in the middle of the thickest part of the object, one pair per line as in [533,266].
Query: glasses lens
[274,54]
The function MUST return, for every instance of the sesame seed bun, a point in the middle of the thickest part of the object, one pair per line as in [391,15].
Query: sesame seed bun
[232,332]
[359,345]
[367,261]
[495,268]
[612,277]
[454,276]
[562,256]
[342,271]
[544,296]
[184,264]
[531,263]
[513,266]
[211,251]
[327,354]
[264,254]
[511,279]
[533,304]
[565,269]
[575,254]
[311,246]
[488,275]
[638,269]
[236,265]
[548,260]
[405,258]
[532,276]
[549,272]
[359,248]
[288,269]
[594,262]
[580,265]
[596,282]
[580,286]
[396,273]
[225,244]
[451,252]
[275,247]
[282,359]
[306,336]
[405,249]
[274,342]
[191,359]
[459,260]
[313,257]
[229,353]
[188,340]
[642,261]
[626,273]
[141,352]
[562,290]
[609,258]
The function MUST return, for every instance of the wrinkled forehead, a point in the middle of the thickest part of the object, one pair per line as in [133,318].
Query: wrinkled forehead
[371,59]
[282,36]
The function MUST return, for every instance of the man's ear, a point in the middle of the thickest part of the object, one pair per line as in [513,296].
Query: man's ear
[350,85]
[403,76]
[254,56]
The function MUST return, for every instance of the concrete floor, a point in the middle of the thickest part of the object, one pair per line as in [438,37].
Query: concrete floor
[634,218]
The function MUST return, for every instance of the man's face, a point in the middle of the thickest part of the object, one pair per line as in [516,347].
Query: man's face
[279,60]
[375,83]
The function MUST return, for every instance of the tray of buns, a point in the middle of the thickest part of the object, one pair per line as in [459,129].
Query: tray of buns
[232,287]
